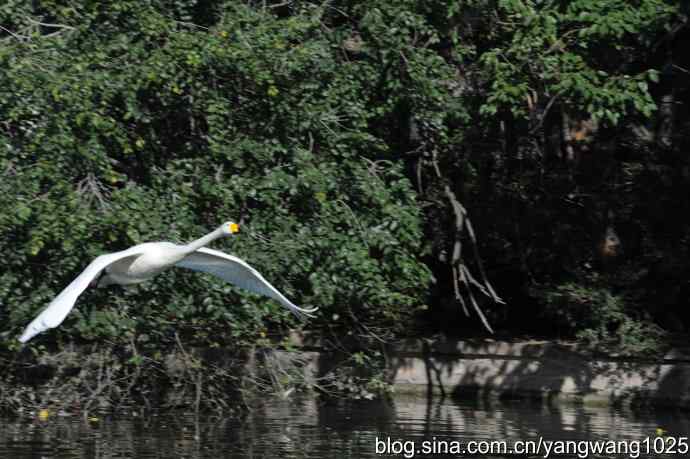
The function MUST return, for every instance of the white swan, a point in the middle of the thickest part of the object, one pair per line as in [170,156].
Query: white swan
[143,261]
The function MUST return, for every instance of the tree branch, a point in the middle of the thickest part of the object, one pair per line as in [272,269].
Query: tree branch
[461,273]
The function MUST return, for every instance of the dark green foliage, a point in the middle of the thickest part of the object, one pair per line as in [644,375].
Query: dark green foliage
[601,319]
[343,136]
[574,141]
[134,124]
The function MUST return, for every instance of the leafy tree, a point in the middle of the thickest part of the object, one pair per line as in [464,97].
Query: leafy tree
[129,123]
[363,146]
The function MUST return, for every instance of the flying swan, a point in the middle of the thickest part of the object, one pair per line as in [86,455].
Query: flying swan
[141,262]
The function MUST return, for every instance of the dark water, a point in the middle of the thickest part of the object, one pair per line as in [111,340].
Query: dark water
[309,429]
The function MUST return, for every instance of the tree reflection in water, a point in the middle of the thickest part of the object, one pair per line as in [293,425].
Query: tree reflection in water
[312,429]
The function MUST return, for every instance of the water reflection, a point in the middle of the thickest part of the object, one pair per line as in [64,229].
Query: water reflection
[310,429]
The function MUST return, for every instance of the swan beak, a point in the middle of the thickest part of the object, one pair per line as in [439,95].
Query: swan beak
[234,228]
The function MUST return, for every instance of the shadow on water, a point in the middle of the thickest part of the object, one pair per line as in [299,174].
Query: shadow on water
[310,429]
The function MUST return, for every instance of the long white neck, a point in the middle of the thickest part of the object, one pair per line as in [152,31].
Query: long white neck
[203,241]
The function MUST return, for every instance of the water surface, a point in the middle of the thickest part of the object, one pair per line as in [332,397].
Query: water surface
[312,429]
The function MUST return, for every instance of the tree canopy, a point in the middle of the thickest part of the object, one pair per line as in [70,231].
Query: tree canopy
[401,165]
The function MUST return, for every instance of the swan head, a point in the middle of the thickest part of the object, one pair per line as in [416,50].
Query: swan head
[229,228]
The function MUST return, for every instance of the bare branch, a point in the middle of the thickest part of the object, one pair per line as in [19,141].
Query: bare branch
[45,24]
[91,188]
[278,5]
[461,274]
[17,36]
[191,24]
[545,112]
[458,295]
[479,311]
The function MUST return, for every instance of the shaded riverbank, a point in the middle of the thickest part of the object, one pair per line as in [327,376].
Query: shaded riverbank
[542,369]
[546,370]
[108,379]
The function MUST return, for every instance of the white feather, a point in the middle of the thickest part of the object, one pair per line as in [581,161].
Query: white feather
[141,262]
[237,271]
[57,310]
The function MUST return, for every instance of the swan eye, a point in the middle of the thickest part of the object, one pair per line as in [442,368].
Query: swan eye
[234,228]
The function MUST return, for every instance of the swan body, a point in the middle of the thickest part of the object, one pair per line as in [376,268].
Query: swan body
[151,259]
[144,261]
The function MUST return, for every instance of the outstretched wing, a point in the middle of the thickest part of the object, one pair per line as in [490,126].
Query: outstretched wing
[237,271]
[57,310]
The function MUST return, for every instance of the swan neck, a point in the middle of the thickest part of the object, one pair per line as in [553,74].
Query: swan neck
[203,241]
